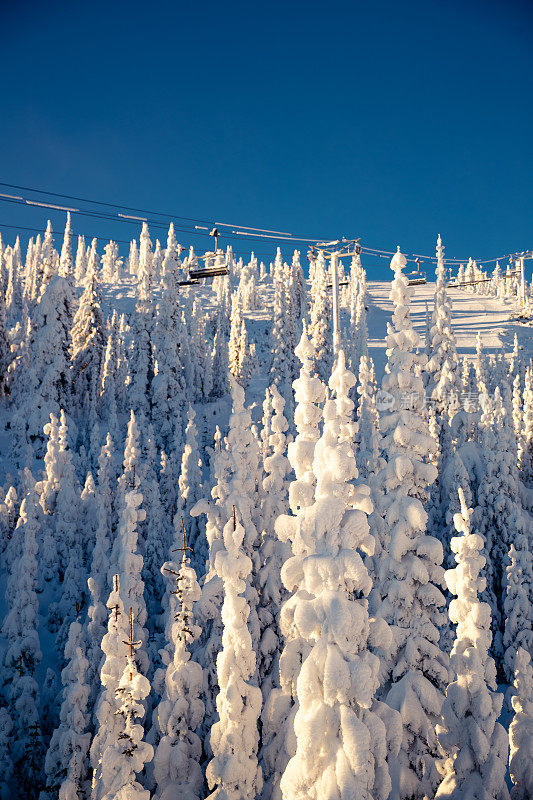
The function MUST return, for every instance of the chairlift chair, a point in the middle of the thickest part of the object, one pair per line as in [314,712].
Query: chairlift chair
[416,277]
[215,270]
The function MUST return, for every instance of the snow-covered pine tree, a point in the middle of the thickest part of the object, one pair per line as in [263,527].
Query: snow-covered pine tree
[125,756]
[299,288]
[5,356]
[88,338]
[526,453]
[266,428]
[47,382]
[234,337]
[153,540]
[518,630]
[23,655]
[168,384]
[141,362]
[278,739]
[47,261]
[220,367]
[111,263]
[66,762]
[66,265]
[96,624]
[408,570]
[320,320]
[177,770]
[273,552]
[237,479]
[190,490]
[68,536]
[127,592]
[330,584]
[245,367]
[473,742]
[133,258]
[80,265]
[521,728]
[233,773]
[108,390]
[441,368]
[308,394]
[498,515]
[6,764]
[368,436]
[280,365]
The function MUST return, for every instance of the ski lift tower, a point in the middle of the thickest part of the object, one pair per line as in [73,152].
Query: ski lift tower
[340,248]
[519,263]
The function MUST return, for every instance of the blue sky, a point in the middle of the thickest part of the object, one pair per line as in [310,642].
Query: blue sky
[390,121]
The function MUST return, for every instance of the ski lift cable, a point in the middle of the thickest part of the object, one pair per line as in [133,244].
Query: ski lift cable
[133,220]
[99,202]
[89,236]
[248,228]
[154,223]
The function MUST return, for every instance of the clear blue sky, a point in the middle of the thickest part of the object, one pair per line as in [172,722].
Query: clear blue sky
[391,121]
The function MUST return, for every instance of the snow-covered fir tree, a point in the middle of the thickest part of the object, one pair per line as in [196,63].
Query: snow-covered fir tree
[168,383]
[475,751]
[441,368]
[141,362]
[233,773]
[177,758]
[124,757]
[88,338]
[190,489]
[320,319]
[23,656]
[521,728]
[409,571]
[326,574]
[273,552]
[66,762]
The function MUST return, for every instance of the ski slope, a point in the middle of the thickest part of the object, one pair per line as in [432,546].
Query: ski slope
[471,313]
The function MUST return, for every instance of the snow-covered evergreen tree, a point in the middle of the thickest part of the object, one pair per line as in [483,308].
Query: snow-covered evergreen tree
[233,773]
[330,584]
[320,320]
[190,489]
[127,592]
[177,770]
[308,394]
[518,630]
[526,451]
[368,436]
[47,382]
[273,552]
[237,482]
[111,263]
[141,362]
[234,349]
[521,728]
[88,339]
[66,761]
[23,655]
[125,756]
[473,742]
[441,369]
[80,265]
[498,515]
[66,265]
[168,384]
[409,571]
